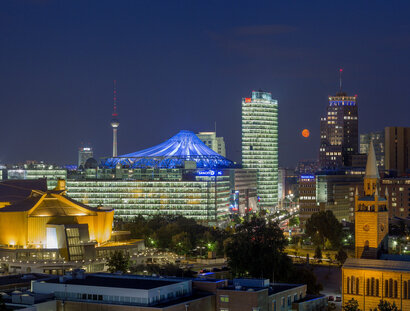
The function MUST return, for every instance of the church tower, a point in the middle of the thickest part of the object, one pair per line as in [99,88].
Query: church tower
[371,215]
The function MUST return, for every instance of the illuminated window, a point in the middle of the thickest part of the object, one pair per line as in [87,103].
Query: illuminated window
[224,298]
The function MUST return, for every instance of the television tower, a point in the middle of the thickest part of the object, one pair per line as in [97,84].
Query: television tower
[114,122]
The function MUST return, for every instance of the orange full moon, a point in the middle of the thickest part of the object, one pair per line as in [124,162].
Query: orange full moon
[305,133]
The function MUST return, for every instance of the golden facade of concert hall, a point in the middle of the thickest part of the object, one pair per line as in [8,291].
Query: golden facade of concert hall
[46,219]
[373,275]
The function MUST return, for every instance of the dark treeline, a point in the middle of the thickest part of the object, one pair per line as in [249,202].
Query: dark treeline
[254,247]
[176,233]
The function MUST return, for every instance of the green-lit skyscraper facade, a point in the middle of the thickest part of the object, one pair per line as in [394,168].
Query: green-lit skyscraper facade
[260,144]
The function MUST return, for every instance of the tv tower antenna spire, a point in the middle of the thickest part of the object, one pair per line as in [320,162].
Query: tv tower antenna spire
[340,79]
[114,112]
[114,121]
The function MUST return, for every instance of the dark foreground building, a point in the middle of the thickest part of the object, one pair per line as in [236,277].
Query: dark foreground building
[102,291]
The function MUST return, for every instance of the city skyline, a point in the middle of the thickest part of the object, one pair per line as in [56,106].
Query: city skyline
[57,81]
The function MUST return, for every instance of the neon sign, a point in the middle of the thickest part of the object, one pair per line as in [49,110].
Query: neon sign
[209,173]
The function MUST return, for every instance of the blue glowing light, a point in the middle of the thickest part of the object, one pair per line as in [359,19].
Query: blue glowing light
[307,176]
[209,173]
[184,146]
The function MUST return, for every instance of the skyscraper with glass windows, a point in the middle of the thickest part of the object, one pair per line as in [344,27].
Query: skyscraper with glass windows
[217,144]
[339,139]
[260,144]
[84,153]
[378,142]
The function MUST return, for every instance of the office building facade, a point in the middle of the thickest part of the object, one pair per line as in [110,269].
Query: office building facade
[336,190]
[84,153]
[398,196]
[180,192]
[378,143]
[339,132]
[307,198]
[243,183]
[38,170]
[260,144]
[397,149]
[210,139]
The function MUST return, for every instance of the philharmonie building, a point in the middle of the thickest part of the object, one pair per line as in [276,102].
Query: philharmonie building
[181,176]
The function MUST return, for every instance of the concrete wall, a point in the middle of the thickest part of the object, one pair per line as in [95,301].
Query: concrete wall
[202,304]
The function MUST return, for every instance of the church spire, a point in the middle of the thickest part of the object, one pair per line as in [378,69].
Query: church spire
[371,177]
[371,166]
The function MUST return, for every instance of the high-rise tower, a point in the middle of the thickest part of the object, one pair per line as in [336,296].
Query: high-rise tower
[114,122]
[217,144]
[339,138]
[397,149]
[84,153]
[260,144]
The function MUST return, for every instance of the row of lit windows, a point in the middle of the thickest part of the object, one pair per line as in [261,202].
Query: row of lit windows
[307,198]
[373,286]
[333,153]
[159,190]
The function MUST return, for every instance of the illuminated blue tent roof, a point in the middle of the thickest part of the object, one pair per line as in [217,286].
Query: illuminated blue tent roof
[184,146]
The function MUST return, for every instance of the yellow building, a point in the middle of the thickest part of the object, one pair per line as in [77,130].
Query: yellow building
[371,215]
[50,219]
[371,276]
[370,280]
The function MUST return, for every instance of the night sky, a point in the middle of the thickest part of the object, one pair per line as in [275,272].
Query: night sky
[186,64]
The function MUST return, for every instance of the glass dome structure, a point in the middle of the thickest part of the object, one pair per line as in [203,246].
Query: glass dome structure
[184,146]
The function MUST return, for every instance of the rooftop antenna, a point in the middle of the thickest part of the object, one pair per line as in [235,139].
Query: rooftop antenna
[340,80]
[114,112]
[215,127]
[114,122]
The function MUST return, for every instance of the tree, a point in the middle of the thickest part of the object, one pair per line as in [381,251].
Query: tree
[341,257]
[294,222]
[257,249]
[318,254]
[181,243]
[302,274]
[322,227]
[118,262]
[169,269]
[399,229]
[386,306]
[351,305]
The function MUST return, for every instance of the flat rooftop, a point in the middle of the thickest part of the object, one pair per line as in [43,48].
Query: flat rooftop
[310,298]
[21,278]
[281,287]
[119,281]
[272,288]
[378,264]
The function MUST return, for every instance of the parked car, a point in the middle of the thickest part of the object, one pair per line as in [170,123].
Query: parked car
[338,299]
